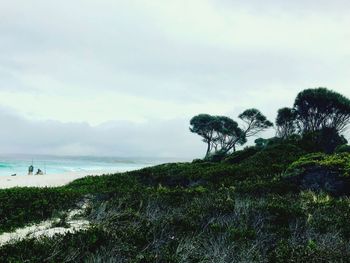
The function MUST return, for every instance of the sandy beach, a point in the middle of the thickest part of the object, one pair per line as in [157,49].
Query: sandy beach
[45,180]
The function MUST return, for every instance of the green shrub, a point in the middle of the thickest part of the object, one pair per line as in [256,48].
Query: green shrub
[190,212]
[272,160]
[345,148]
[20,206]
[282,211]
[75,247]
[336,162]
[239,156]
[308,252]
[325,140]
[241,234]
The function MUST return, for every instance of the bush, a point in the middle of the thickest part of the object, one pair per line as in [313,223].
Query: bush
[345,148]
[191,212]
[75,247]
[325,140]
[336,162]
[272,160]
[239,156]
[20,206]
[216,157]
[321,172]
[308,252]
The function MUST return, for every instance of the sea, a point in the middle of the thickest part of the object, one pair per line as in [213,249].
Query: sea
[18,164]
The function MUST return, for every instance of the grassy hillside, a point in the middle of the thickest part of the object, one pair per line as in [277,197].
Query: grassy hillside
[272,204]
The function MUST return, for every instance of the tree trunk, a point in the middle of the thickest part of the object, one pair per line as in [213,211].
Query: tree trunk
[208,150]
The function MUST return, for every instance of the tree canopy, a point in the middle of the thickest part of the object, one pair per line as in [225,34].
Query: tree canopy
[222,134]
[204,125]
[255,122]
[285,122]
[318,119]
[322,108]
[228,134]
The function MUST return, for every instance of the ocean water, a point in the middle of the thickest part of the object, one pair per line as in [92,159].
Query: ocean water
[18,164]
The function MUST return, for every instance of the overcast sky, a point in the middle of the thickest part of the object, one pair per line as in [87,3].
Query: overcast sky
[112,77]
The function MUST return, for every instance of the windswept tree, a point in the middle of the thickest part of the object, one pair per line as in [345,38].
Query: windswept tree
[204,125]
[286,122]
[321,108]
[255,122]
[228,135]
[222,134]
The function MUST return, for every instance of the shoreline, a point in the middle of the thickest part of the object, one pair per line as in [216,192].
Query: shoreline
[47,180]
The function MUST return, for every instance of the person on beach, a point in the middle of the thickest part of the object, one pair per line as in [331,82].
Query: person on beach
[39,172]
[30,170]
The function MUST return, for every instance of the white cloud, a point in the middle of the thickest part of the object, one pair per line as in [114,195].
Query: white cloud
[140,61]
[125,139]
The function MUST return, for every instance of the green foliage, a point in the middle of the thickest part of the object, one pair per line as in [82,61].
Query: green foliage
[261,143]
[204,125]
[222,134]
[255,122]
[336,162]
[319,116]
[241,234]
[325,140]
[239,156]
[307,252]
[68,248]
[271,160]
[217,156]
[283,211]
[286,122]
[20,206]
[243,209]
[219,132]
[322,108]
[240,210]
[118,184]
[345,148]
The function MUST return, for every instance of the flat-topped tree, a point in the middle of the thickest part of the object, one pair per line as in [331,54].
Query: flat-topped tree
[220,133]
[204,125]
[255,122]
[322,108]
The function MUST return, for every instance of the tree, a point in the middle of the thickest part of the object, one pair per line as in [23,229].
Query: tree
[255,122]
[321,108]
[222,134]
[228,135]
[204,125]
[286,122]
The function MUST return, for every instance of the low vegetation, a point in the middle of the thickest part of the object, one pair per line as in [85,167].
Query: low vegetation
[245,211]
[282,200]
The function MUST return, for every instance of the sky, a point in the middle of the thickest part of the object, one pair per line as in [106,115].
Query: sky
[123,78]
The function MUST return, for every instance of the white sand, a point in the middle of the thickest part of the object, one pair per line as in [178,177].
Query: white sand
[46,229]
[45,180]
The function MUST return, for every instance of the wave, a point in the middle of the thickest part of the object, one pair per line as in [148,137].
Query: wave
[5,165]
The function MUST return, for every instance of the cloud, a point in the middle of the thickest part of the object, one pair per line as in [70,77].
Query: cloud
[120,138]
[148,63]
